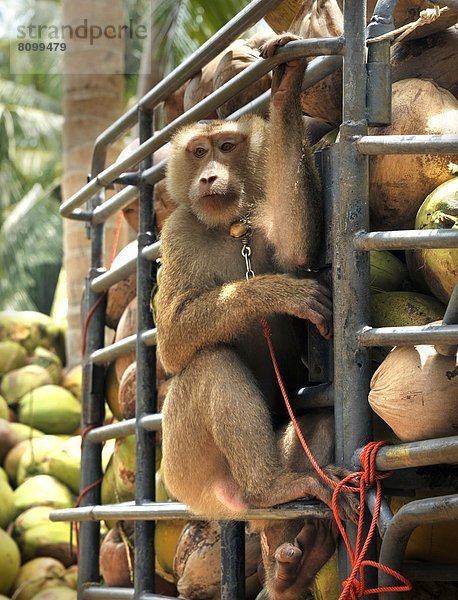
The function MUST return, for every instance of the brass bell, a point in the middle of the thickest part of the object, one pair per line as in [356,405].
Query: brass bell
[239,229]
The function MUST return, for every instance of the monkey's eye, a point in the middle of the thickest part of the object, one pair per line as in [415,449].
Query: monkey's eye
[200,151]
[227,147]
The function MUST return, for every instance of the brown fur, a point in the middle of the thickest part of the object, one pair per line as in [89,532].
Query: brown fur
[219,451]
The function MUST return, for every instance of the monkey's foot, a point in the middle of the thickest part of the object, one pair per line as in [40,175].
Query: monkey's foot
[297,563]
[269,48]
[348,503]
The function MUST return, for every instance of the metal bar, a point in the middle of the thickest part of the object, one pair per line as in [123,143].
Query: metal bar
[211,48]
[175,510]
[421,571]
[351,269]
[409,516]
[438,451]
[107,593]
[408,336]
[232,560]
[145,452]
[450,318]
[115,203]
[406,240]
[293,50]
[446,143]
[109,278]
[121,348]
[124,428]
[378,64]
[80,215]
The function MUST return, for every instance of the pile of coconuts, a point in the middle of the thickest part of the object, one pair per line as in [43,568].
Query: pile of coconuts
[407,288]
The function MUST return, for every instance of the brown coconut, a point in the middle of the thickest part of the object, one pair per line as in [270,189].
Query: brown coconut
[231,64]
[174,105]
[121,293]
[432,57]
[415,391]
[127,326]
[197,563]
[128,391]
[398,184]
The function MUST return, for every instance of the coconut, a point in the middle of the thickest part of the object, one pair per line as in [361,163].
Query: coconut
[116,557]
[51,408]
[127,326]
[8,438]
[37,536]
[25,432]
[415,390]
[71,577]
[233,62]
[4,410]
[28,457]
[6,504]
[29,328]
[124,468]
[64,463]
[17,383]
[37,574]
[41,490]
[3,475]
[10,561]
[387,272]
[112,391]
[398,184]
[72,380]
[174,105]
[197,563]
[401,309]
[124,291]
[166,536]
[438,267]
[49,360]
[56,592]
[12,356]
[128,391]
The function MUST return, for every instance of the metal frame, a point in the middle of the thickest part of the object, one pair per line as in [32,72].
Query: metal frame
[366,99]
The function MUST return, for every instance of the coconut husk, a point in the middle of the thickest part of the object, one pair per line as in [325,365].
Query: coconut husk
[127,326]
[414,390]
[231,64]
[398,184]
[124,291]
[432,57]
[174,105]
[128,391]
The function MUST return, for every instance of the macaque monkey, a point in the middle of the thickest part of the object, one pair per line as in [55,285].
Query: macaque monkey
[249,185]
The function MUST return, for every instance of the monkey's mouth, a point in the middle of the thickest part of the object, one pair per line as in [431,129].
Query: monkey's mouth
[217,201]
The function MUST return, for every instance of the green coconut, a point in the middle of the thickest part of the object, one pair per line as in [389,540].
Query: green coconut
[58,592]
[37,536]
[4,475]
[6,504]
[401,309]
[38,574]
[25,432]
[64,463]
[12,356]
[438,268]
[33,456]
[41,490]
[4,410]
[387,272]
[29,328]
[10,561]
[124,468]
[8,438]
[72,380]
[43,357]
[50,408]
[18,382]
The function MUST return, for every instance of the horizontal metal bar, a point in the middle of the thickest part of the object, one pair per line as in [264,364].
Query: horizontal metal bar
[117,202]
[80,215]
[293,50]
[123,347]
[124,428]
[100,592]
[421,571]
[407,239]
[176,510]
[104,281]
[245,18]
[408,336]
[446,143]
[438,451]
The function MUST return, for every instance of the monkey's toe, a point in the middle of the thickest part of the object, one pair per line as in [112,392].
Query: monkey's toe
[288,553]
[267,50]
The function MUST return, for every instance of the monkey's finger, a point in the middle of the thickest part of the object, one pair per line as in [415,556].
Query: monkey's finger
[268,49]
[320,317]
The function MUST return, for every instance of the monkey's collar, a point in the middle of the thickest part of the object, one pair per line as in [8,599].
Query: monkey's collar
[243,227]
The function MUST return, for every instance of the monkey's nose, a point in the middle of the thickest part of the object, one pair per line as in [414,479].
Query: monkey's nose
[208,180]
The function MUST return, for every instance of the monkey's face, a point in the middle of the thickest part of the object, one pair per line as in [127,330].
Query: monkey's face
[214,166]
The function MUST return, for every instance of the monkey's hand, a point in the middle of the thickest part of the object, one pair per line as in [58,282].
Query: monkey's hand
[297,563]
[312,300]
[287,76]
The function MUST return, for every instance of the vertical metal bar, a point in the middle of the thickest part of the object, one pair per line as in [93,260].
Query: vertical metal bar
[232,560]
[146,381]
[93,414]
[350,266]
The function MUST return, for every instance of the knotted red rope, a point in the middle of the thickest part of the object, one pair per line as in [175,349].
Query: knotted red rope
[353,587]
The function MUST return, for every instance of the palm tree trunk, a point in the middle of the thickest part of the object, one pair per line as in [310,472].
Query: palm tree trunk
[93,98]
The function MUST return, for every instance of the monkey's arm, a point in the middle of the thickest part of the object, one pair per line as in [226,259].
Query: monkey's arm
[291,214]
[191,318]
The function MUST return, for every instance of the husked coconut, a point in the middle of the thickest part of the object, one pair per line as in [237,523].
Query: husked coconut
[415,391]
[127,326]
[398,184]
[121,293]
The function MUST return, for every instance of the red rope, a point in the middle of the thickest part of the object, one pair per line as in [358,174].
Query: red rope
[353,588]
